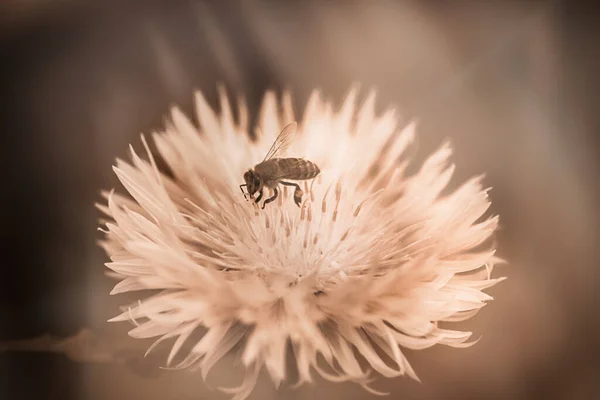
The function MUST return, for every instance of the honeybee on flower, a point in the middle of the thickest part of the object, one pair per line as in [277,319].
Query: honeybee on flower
[372,256]
[273,169]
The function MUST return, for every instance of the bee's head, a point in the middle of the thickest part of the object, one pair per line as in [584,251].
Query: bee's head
[253,181]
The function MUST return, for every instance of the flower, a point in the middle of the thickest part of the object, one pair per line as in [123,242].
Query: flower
[374,257]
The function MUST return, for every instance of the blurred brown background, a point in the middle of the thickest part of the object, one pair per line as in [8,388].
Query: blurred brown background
[512,84]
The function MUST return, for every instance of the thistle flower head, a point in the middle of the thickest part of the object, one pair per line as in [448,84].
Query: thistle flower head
[369,264]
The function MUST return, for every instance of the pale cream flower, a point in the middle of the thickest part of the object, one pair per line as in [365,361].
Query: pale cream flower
[373,256]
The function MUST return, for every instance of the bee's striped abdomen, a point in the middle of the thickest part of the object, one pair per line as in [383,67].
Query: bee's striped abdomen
[297,169]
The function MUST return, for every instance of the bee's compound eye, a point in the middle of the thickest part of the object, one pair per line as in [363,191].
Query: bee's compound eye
[257,182]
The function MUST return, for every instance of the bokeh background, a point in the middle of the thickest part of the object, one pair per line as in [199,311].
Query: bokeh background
[511,83]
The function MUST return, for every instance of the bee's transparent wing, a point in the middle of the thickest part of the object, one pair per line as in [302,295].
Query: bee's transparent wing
[283,141]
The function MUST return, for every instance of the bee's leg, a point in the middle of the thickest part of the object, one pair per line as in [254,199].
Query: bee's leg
[270,199]
[297,193]
[259,197]
[245,194]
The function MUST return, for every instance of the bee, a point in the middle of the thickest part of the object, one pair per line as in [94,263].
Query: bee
[273,170]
